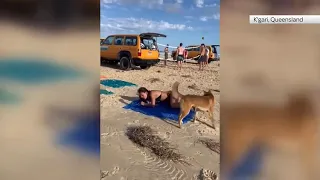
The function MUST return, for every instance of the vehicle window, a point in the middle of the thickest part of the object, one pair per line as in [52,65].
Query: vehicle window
[119,40]
[147,43]
[196,49]
[131,41]
[108,40]
[188,48]
[216,50]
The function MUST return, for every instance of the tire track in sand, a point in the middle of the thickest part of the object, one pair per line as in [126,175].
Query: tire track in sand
[167,170]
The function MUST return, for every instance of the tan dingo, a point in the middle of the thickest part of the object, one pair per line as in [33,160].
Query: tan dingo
[187,102]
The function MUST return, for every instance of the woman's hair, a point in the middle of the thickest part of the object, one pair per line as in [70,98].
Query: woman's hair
[142,90]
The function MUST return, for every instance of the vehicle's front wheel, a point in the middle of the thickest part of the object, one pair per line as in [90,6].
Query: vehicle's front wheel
[145,66]
[125,63]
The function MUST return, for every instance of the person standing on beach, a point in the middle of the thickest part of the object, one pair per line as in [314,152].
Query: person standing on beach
[166,54]
[179,55]
[202,57]
[206,55]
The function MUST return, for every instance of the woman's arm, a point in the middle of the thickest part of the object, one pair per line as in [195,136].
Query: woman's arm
[153,100]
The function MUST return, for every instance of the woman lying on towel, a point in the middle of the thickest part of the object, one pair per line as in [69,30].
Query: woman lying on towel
[151,97]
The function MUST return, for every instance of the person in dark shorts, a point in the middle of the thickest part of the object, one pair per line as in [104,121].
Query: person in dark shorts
[150,98]
[166,54]
[180,55]
[202,58]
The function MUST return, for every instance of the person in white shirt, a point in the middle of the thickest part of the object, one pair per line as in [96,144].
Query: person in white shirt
[206,56]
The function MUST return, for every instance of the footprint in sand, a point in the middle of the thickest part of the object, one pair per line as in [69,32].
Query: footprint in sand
[115,170]
[200,132]
[104,174]
[207,174]
[168,133]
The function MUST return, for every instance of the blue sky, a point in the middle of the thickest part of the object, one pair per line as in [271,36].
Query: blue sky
[185,21]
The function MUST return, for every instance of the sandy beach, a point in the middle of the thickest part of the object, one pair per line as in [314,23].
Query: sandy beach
[30,128]
[121,159]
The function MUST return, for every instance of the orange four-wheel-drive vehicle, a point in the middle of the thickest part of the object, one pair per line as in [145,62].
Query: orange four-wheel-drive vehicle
[131,50]
[194,52]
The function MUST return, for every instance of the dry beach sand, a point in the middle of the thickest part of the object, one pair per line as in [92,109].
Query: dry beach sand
[262,64]
[28,130]
[121,159]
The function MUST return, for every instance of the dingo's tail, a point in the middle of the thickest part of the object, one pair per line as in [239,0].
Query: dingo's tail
[175,92]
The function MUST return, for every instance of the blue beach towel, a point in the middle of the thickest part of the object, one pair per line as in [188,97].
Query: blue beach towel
[7,97]
[161,110]
[35,71]
[114,83]
[105,92]
[249,165]
[84,136]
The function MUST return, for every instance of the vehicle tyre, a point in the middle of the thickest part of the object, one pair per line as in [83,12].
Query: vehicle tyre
[125,63]
[145,66]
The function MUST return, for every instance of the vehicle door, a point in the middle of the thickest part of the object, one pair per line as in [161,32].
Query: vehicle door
[148,39]
[106,46]
[148,52]
[130,44]
[195,51]
[117,47]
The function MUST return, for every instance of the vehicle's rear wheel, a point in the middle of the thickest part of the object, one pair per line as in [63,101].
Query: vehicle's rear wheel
[125,63]
[145,66]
